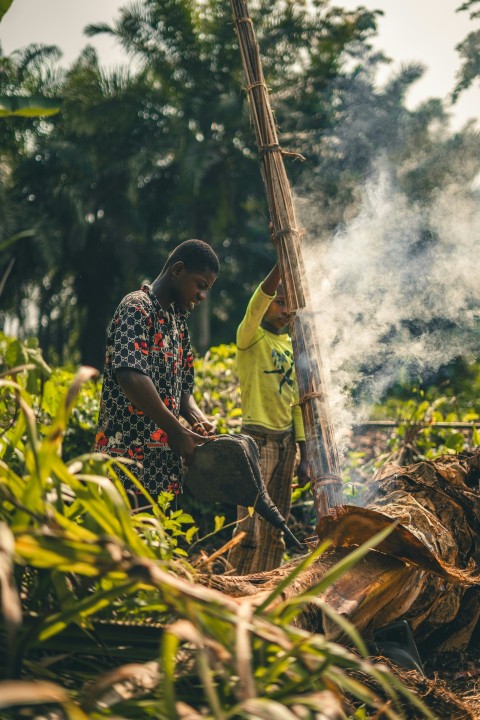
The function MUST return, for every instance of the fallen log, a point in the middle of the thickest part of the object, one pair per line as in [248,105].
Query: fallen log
[427,571]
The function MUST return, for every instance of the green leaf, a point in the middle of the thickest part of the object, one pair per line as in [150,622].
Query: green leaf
[83,608]
[4,5]
[33,106]
[169,651]
[16,354]
[13,239]
[237,412]
[290,607]
[302,565]
[191,532]
[219,522]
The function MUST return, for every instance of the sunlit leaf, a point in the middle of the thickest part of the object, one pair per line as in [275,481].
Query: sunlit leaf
[4,5]
[219,522]
[33,106]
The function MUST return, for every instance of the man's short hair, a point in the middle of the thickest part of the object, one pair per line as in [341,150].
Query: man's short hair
[196,255]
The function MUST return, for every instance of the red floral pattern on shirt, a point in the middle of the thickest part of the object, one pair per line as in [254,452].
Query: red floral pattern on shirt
[146,338]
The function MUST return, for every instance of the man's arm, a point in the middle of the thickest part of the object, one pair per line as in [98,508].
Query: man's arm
[259,302]
[141,391]
[193,415]
[269,285]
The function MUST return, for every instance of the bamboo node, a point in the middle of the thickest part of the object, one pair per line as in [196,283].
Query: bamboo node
[243,20]
[309,396]
[275,147]
[327,479]
[259,83]
[286,231]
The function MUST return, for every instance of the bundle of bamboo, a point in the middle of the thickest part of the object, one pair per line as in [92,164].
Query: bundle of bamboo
[321,446]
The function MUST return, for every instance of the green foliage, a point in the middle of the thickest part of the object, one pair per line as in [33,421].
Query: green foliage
[217,391]
[138,161]
[469,51]
[32,106]
[45,389]
[420,434]
[80,433]
[434,418]
[4,5]
[91,513]
[437,417]
[73,556]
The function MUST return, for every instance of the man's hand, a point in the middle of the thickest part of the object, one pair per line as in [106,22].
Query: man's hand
[204,428]
[183,441]
[140,390]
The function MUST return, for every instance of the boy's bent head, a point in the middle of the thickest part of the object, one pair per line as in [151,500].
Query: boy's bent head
[192,270]
[196,256]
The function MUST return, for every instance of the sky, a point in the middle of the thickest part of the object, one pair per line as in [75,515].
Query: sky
[411,30]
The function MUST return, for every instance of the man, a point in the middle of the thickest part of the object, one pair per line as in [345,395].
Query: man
[272,416]
[148,375]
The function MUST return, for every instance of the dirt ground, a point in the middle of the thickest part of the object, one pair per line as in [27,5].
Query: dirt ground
[461,674]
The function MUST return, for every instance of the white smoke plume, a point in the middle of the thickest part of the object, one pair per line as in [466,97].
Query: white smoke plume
[396,291]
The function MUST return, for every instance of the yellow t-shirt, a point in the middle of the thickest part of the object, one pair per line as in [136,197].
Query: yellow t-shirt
[266,372]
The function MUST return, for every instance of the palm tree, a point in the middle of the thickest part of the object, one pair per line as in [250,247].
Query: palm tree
[469,51]
[83,185]
[189,55]
[26,94]
[140,161]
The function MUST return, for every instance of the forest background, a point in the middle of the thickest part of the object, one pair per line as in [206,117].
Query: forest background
[93,197]
[140,159]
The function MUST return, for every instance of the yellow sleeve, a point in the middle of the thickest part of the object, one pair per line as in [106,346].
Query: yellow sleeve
[298,428]
[250,326]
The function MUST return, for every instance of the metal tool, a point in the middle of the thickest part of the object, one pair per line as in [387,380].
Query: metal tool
[226,469]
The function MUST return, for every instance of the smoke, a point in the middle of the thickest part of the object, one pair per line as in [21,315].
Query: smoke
[395,292]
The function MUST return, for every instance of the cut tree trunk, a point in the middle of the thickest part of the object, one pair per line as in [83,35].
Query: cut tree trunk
[426,571]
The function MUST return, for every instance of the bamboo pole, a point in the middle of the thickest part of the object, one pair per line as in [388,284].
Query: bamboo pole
[320,441]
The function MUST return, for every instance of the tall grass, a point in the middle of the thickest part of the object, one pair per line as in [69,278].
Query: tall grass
[87,586]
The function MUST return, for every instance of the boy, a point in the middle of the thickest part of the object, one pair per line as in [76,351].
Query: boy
[148,375]
[271,417]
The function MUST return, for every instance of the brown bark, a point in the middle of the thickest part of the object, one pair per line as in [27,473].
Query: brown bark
[426,571]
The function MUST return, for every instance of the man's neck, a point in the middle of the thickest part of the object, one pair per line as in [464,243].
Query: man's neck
[162,291]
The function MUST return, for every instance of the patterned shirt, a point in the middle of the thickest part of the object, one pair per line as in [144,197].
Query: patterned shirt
[146,338]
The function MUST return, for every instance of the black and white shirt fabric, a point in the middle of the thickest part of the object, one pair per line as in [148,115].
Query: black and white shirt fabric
[146,338]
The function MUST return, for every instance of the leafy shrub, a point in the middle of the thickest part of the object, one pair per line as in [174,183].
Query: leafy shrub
[217,390]
[430,425]
[46,389]
[79,555]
